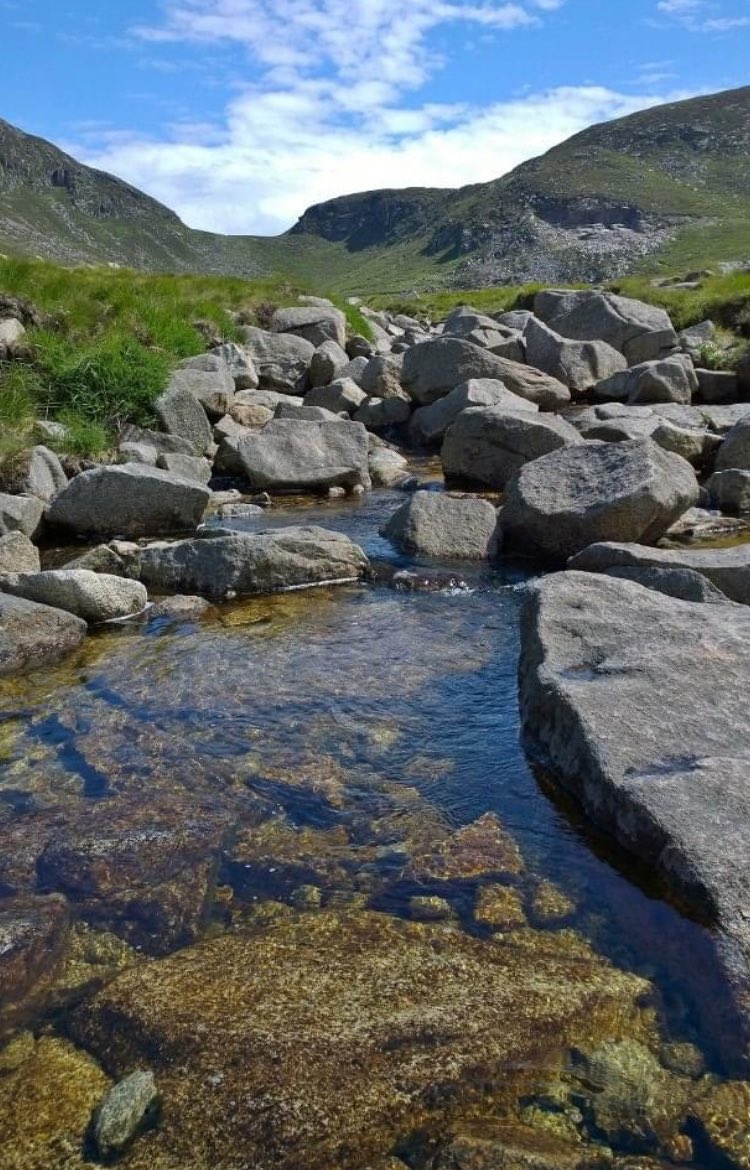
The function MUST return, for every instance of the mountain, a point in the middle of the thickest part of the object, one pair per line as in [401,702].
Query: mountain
[666,188]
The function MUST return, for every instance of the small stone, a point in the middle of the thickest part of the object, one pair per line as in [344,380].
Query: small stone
[124,1112]
[429,909]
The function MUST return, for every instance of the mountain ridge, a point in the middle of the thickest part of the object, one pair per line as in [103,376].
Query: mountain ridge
[667,185]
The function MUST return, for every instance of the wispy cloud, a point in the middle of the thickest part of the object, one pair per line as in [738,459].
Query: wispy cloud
[703,16]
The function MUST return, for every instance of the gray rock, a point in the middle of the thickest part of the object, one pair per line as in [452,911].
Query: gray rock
[281,359]
[735,450]
[515,319]
[38,472]
[213,388]
[119,559]
[138,453]
[124,1112]
[444,527]
[381,377]
[489,444]
[579,365]
[129,500]
[157,439]
[244,564]
[641,332]
[342,394]
[94,597]
[20,514]
[245,414]
[358,347]
[288,453]
[726,568]
[46,430]
[695,337]
[314,323]
[685,584]
[35,635]
[620,429]
[328,362]
[305,413]
[388,469]
[567,500]
[355,369]
[182,608]
[432,370]
[379,413]
[729,491]
[12,333]
[671,380]
[18,554]
[240,365]
[695,446]
[186,466]
[181,414]
[429,423]
[635,702]
[717,385]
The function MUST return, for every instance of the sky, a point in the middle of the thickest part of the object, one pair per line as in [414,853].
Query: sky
[239,114]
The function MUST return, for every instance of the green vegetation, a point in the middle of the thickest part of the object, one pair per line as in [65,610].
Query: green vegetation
[435,306]
[108,341]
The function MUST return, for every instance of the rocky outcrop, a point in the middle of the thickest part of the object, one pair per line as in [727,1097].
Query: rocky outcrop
[666,777]
[228,566]
[129,500]
[445,527]
[489,445]
[565,501]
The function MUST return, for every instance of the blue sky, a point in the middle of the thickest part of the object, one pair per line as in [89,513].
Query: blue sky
[241,113]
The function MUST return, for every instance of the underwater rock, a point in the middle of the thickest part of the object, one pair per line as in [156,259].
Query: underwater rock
[127,1108]
[32,935]
[359,1026]
[724,1121]
[483,847]
[499,907]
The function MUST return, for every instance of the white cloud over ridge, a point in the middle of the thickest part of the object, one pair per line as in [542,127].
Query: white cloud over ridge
[333,109]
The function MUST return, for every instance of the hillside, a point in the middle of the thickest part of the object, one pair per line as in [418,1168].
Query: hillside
[668,188]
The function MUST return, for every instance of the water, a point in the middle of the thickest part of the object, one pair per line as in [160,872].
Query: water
[309,751]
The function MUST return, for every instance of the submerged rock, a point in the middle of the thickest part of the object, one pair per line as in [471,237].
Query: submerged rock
[398,1019]
[243,563]
[127,1108]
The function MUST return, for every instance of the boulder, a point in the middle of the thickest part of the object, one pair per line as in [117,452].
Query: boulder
[635,702]
[735,450]
[445,527]
[579,365]
[341,394]
[245,414]
[347,1095]
[388,469]
[314,323]
[138,453]
[429,423]
[156,439]
[671,380]
[185,466]
[433,369]
[639,331]
[243,564]
[181,414]
[695,337]
[289,453]
[36,472]
[686,584]
[355,369]
[565,501]
[717,385]
[18,554]
[94,597]
[12,333]
[729,491]
[35,635]
[20,514]
[726,568]
[379,413]
[489,444]
[240,365]
[722,419]
[305,413]
[213,388]
[129,500]
[281,359]
[327,364]
[381,377]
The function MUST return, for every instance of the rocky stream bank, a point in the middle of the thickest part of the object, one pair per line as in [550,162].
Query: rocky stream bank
[279,886]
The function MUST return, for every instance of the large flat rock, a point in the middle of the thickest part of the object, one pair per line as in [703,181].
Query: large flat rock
[637,702]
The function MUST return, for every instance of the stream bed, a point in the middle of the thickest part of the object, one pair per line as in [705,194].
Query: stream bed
[325,790]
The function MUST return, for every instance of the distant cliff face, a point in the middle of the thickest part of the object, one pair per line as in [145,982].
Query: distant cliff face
[668,185]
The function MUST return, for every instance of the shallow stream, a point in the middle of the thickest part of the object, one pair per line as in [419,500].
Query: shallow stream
[332,741]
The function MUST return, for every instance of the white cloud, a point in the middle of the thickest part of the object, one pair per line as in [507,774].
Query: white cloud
[702,16]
